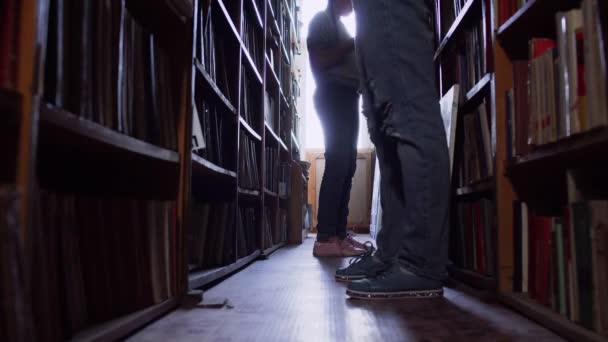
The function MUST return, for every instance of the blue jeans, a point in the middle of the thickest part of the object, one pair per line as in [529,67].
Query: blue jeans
[395,48]
[338,109]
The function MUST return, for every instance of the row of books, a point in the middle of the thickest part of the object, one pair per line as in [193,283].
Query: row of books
[250,100]
[211,234]
[103,66]
[209,129]
[562,89]
[212,50]
[472,242]
[247,231]
[9,28]
[560,260]
[468,63]
[270,110]
[253,40]
[96,259]
[248,163]
[272,159]
[269,228]
[506,8]
[16,323]
[477,161]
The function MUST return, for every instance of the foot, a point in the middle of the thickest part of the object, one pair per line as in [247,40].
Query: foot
[350,238]
[361,267]
[393,283]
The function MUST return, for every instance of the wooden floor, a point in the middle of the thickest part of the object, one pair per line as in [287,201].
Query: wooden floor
[293,297]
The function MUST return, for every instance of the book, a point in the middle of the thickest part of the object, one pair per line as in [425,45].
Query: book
[449,104]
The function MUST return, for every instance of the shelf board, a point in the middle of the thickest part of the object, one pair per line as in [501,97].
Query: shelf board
[208,170]
[253,68]
[211,87]
[273,249]
[288,10]
[475,94]
[270,193]
[229,21]
[461,20]
[275,136]
[249,129]
[81,132]
[536,19]
[549,319]
[256,13]
[476,188]
[294,141]
[120,328]
[472,278]
[284,53]
[202,278]
[565,153]
[273,74]
[247,192]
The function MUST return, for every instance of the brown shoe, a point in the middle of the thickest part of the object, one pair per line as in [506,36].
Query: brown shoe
[349,250]
[328,249]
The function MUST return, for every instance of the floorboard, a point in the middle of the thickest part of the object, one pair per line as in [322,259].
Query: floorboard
[293,297]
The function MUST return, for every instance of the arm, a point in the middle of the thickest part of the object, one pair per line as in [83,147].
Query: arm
[321,59]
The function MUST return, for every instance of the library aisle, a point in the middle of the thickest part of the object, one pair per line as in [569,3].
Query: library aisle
[293,297]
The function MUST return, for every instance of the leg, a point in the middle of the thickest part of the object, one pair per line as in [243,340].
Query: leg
[405,104]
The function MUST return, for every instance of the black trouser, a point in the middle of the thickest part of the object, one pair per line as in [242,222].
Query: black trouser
[338,109]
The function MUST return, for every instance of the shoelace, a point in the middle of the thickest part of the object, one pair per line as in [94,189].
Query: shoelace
[369,250]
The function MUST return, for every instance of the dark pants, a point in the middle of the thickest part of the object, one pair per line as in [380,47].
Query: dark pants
[338,109]
[395,49]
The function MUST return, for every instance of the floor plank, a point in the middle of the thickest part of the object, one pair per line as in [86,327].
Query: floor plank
[293,297]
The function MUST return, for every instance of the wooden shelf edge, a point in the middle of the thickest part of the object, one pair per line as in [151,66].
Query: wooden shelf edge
[202,278]
[515,18]
[572,144]
[228,19]
[270,193]
[252,65]
[473,279]
[294,140]
[249,129]
[202,162]
[216,90]
[480,187]
[256,13]
[474,93]
[548,318]
[273,249]
[275,136]
[124,326]
[270,70]
[247,192]
[101,134]
[456,26]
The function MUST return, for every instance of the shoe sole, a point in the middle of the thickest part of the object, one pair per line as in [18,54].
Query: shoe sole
[348,279]
[395,295]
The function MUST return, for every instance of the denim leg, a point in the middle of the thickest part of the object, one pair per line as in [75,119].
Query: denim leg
[338,113]
[403,105]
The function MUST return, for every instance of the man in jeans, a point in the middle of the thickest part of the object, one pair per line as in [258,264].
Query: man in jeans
[395,49]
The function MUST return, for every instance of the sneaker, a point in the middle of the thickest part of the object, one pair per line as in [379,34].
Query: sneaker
[393,283]
[356,243]
[350,250]
[361,267]
[329,248]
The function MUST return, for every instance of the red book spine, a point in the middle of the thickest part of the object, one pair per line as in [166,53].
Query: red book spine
[8,14]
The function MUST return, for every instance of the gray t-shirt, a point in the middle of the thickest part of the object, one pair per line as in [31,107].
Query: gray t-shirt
[324,33]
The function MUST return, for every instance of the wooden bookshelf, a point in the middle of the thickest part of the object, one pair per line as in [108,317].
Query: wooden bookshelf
[273,249]
[474,279]
[119,134]
[275,137]
[481,187]
[463,19]
[536,175]
[535,19]
[474,96]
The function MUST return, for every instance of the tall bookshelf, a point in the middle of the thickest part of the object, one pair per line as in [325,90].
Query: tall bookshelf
[107,184]
[548,142]
[464,57]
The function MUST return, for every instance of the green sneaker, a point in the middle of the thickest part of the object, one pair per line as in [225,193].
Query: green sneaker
[395,282]
[361,267]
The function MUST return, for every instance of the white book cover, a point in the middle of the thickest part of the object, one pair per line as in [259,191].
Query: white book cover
[449,104]
[595,66]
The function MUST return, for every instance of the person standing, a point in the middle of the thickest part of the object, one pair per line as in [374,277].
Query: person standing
[395,50]
[334,66]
